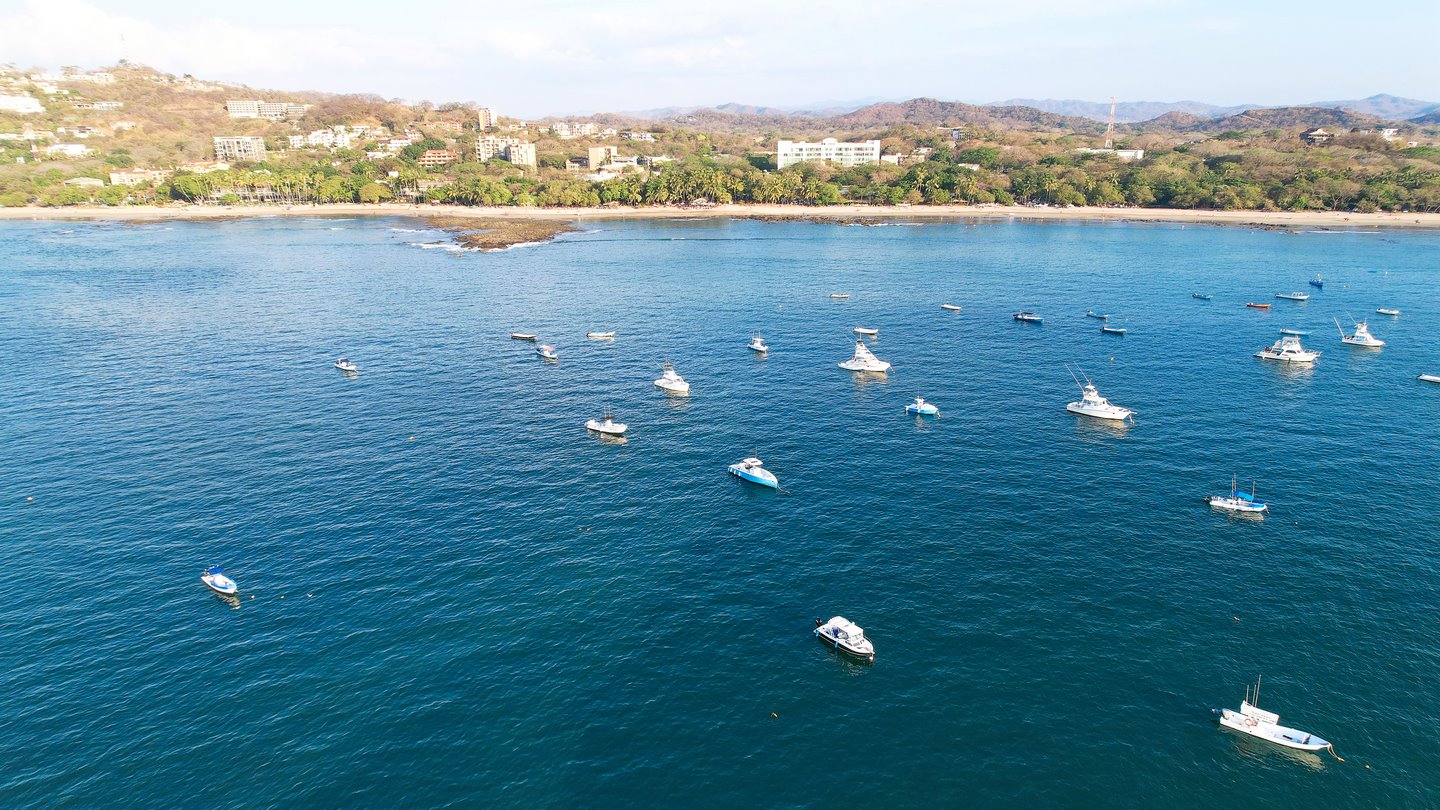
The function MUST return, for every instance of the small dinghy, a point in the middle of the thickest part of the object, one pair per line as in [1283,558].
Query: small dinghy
[1253,305]
[1238,501]
[600,335]
[547,352]
[1097,316]
[344,364]
[1113,330]
[845,636]
[951,307]
[1027,317]
[1293,296]
[752,470]
[839,296]
[1295,332]
[1256,722]
[1387,311]
[1317,282]
[215,579]
[607,425]
[523,336]
[1431,378]
[922,408]
[860,330]
[1201,296]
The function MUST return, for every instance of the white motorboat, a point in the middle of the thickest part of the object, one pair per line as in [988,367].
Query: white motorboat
[750,469]
[1288,350]
[1360,337]
[1113,330]
[346,365]
[1027,317]
[864,360]
[1387,311]
[1295,332]
[860,330]
[951,307]
[1092,404]
[1238,501]
[757,344]
[1257,722]
[1293,296]
[1435,378]
[1099,316]
[547,351]
[523,336]
[839,296]
[845,636]
[922,408]
[600,335]
[215,579]
[672,382]
[607,425]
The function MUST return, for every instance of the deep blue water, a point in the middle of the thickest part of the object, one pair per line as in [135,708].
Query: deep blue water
[452,595]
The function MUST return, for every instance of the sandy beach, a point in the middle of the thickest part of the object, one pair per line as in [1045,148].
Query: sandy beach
[1267,219]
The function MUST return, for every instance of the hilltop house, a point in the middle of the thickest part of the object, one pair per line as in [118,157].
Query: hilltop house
[1316,137]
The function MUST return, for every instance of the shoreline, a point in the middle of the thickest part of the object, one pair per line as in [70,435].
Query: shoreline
[1261,219]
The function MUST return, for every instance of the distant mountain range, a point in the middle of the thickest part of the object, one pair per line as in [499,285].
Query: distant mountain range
[1390,108]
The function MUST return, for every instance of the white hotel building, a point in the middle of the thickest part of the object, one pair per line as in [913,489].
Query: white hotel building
[788,153]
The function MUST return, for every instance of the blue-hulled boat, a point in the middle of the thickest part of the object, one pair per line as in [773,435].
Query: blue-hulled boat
[1317,282]
[215,579]
[922,408]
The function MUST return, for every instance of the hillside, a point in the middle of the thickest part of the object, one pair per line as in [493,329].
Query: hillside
[1267,118]
[1125,111]
[932,112]
[1382,105]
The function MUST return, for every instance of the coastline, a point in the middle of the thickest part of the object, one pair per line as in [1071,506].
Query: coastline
[1262,219]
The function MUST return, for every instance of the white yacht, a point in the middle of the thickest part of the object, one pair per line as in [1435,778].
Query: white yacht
[757,344]
[1238,501]
[215,579]
[845,636]
[345,364]
[864,360]
[1257,722]
[600,335]
[1092,404]
[1287,349]
[752,470]
[922,408]
[547,351]
[607,425]
[673,383]
[860,330]
[1360,337]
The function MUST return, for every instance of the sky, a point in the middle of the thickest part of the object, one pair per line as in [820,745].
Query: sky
[550,57]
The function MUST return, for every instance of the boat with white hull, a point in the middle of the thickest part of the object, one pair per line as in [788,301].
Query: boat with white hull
[607,425]
[346,365]
[215,579]
[864,360]
[951,307]
[547,352]
[600,335]
[1293,296]
[1430,378]
[1238,501]
[757,344]
[845,636]
[1258,723]
[860,330]
[672,383]
[922,408]
[752,470]
[1387,311]
[1287,350]
[1027,317]
[1094,405]
[1360,337]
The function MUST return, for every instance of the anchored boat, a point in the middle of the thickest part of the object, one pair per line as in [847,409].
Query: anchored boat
[860,330]
[1387,311]
[547,352]
[522,336]
[1096,315]
[607,425]
[752,470]
[673,383]
[1317,283]
[1360,337]
[1238,501]
[215,579]
[1027,317]
[951,307]
[757,344]
[864,360]
[1253,305]
[600,335]
[1201,296]
[845,636]
[1113,330]
[922,408]
[1257,722]
[1293,296]
[1092,404]
[839,296]
[1287,350]
[344,364]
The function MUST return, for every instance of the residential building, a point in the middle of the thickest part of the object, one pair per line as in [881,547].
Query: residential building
[24,105]
[452,127]
[99,105]
[204,166]
[80,133]
[1316,137]
[645,137]
[576,164]
[435,158]
[73,150]
[489,146]
[98,77]
[521,154]
[272,110]
[396,145]
[569,130]
[486,118]
[243,109]
[85,182]
[239,147]
[623,161]
[600,155]
[789,153]
[136,177]
[1390,134]
[651,161]
[1122,154]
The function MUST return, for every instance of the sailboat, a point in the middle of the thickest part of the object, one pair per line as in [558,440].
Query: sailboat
[1238,501]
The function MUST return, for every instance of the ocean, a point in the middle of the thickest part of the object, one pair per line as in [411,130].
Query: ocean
[452,595]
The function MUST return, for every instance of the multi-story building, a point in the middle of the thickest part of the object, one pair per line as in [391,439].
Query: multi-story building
[243,109]
[136,177]
[239,147]
[788,153]
[486,118]
[600,155]
[106,106]
[272,110]
[24,105]
[521,154]
[489,146]
[435,158]
[68,150]
[646,137]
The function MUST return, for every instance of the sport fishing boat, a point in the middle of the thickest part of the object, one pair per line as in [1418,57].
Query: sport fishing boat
[860,330]
[864,360]
[951,307]
[1113,330]
[607,425]
[757,344]
[922,408]
[547,351]
[1027,317]
[1256,722]
[1201,296]
[1387,311]
[1096,315]
[1238,501]
[523,336]
[1293,296]
[1317,282]
[845,636]
[1288,350]
[1253,305]
[1360,337]
[1092,404]
[752,470]
[673,383]
[600,335]
[344,364]
[215,579]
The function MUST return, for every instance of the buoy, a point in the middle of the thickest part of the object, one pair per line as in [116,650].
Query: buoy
[412,438]
[282,597]
[29,498]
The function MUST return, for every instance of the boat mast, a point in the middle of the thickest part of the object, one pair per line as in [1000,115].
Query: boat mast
[1256,702]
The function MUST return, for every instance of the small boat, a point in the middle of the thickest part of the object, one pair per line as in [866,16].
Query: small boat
[1387,311]
[1253,305]
[1256,722]
[607,425]
[951,307]
[860,330]
[1201,296]
[214,577]
[522,336]
[1113,330]
[922,408]
[1317,282]
[864,360]
[1287,349]
[839,296]
[1295,332]
[1435,378]
[673,383]
[344,364]
[757,344]
[547,351]
[600,335]
[1238,501]
[1293,296]
[1027,317]
[1092,404]
[845,636]
[752,470]
[1096,315]
[1360,337]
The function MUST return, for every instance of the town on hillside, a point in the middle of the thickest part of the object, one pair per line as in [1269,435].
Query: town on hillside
[129,135]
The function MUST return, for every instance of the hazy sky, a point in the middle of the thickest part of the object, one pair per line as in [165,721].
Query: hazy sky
[537,57]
